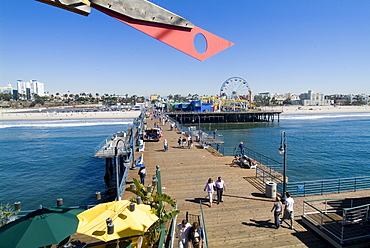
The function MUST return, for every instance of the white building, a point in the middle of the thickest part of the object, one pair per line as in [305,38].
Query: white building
[7,90]
[314,99]
[30,88]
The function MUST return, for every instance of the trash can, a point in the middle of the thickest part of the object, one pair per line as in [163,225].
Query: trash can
[270,189]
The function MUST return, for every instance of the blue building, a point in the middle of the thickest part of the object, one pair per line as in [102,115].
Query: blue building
[193,106]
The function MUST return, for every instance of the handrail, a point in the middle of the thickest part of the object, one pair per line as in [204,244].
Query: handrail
[171,232]
[203,225]
[161,237]
[362,214]
[263,159]
[102,143]
[338,231]
[328,186]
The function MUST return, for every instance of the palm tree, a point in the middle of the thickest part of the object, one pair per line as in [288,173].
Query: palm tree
[155,200]
[6,213]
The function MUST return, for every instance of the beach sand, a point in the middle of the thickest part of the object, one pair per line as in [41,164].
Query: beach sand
[297,109]
[18,114]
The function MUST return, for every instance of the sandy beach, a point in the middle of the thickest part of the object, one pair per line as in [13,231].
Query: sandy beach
[298,109]
[24,114]
[19,114]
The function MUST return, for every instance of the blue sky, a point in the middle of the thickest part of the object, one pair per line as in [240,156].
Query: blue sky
[280,47]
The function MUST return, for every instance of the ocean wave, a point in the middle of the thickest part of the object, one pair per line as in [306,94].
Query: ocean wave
[321,116]
[64,123]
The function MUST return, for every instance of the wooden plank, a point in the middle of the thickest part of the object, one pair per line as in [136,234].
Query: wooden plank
[244,218]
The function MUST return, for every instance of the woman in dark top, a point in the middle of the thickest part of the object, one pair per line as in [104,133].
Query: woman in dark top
[196,235]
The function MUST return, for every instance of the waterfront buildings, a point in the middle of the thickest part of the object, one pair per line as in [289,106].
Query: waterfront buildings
[313,99]
[6,90]
[27,90]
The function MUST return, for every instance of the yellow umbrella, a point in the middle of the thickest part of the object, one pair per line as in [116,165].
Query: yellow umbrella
[93,222]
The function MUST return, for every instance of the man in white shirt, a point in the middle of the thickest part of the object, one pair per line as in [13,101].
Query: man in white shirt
[182,233]
[220,187]
[289,210]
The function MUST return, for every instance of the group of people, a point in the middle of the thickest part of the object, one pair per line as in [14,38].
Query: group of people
[185,142]
[219,186]
[288,212]
[190,233]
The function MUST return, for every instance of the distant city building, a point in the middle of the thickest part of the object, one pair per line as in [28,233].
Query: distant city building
[277,98]
[153,97]
[313,99]
[6,90]
[28,89]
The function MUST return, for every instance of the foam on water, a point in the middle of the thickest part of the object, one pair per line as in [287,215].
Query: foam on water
[64,123]
[321,116]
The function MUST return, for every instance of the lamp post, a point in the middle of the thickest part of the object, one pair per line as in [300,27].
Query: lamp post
[117,168]
[199,131]
[282,150]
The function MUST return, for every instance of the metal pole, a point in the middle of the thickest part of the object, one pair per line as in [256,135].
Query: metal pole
[117,177]
[117,170]
[200,133]
[284,176]
[283,149]
[159,188]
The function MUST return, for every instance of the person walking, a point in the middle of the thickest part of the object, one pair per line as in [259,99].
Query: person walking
[142,174]
[165,145]
[182,233]
[277,208]
[183,143]
[196,235]
[289,210]
[190,141]
[220,187]
[210,187]
[242,148]
[179,141]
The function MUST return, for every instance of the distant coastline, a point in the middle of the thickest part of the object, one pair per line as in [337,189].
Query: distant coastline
[298,109]
[19,114]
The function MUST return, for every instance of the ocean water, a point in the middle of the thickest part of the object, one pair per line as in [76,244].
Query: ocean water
[41,161]
[319,146]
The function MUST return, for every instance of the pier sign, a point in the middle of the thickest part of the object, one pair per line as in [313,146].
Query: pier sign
[300,188]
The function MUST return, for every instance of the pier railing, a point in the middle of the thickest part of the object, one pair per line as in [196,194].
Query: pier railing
[102,143]
[261,158]
[203,224]
[338,219]
[320,187]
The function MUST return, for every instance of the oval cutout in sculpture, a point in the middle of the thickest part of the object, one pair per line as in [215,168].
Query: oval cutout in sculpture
[200,43]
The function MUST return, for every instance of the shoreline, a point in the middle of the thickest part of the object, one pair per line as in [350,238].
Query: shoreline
[22,114]
[17,115]
[298,109]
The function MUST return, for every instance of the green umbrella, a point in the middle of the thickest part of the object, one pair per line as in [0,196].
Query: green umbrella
[39,228]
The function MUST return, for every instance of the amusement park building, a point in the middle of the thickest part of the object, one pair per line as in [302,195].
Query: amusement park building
[193,106]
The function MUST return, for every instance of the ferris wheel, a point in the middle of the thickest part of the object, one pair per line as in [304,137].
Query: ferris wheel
[235,88]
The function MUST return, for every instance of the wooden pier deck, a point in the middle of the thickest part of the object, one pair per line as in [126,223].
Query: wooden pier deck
[244,218]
